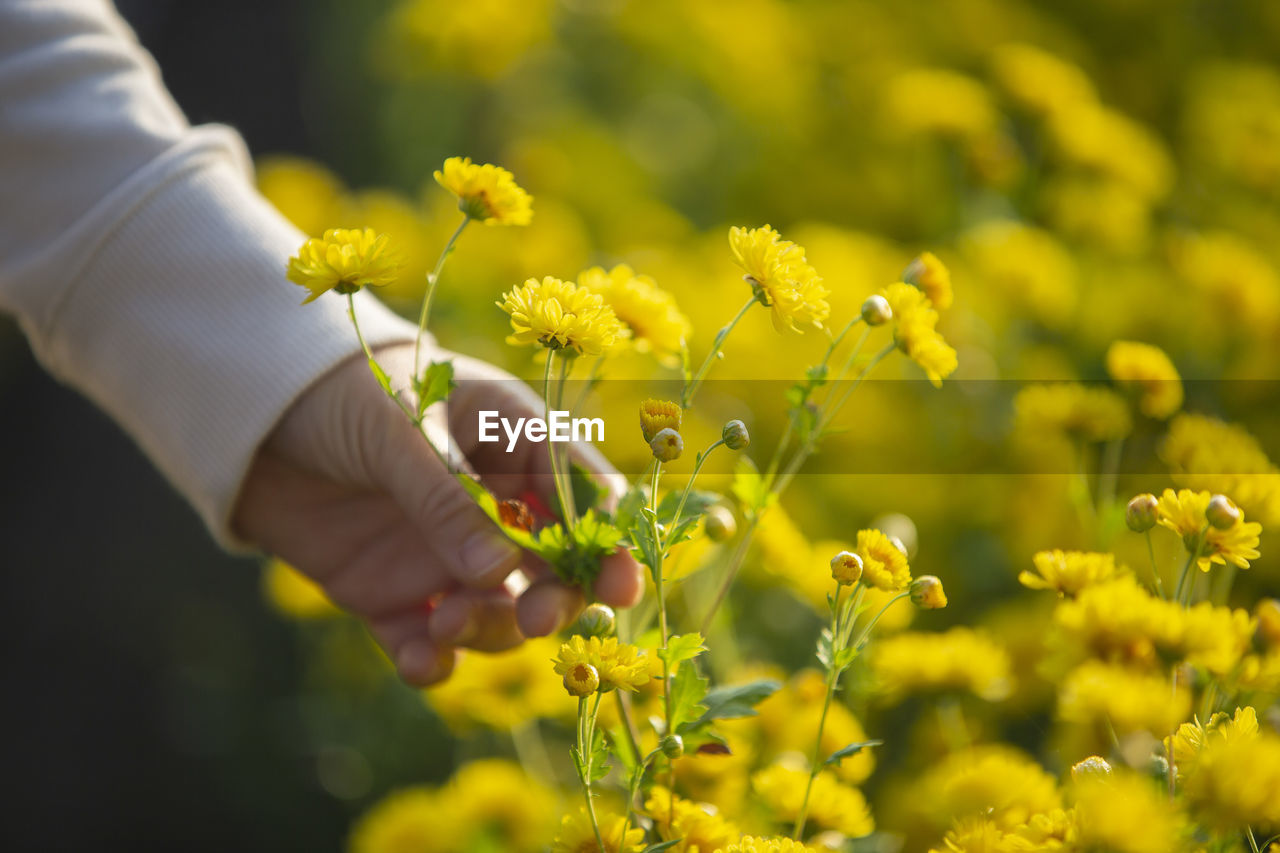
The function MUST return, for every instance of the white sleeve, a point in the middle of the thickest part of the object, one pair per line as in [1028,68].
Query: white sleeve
[142,265]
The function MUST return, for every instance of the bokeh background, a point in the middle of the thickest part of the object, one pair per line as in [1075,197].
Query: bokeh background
[1090,170]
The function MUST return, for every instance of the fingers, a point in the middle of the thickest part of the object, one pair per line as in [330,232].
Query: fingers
[484,620]
[406,638]
[546,607]
[461,537]
[621,581]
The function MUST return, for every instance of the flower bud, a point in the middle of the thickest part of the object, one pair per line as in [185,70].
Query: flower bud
[1222,513]
[735,435]
[876,311]
[926,593]
[672,746]
[1141,513]
[657,415]
[597,620]
[719,523]
[846,568]
[582,679]
[1093,767]
[1268,613]
[667,445]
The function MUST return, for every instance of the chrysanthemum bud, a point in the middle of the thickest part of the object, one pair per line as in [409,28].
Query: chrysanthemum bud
[672,746]
[720,523]
[846,568]
[1268,613]
[1095,766]
[1222,513]
[926,593]
[597,620]
[876,311]
[735,435]
[667,445]
[582,679]
[1141,513]
[657,415]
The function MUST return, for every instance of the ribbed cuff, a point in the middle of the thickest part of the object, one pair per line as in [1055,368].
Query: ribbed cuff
[180,322]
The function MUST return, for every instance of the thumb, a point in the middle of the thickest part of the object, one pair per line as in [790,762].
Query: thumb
[461,537]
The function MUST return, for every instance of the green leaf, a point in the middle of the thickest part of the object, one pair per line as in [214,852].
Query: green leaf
[850,751]
[488,504]
[645,545]
[627,512]
[587,493]
[599,757]
[694,507]
[681,648]
[435,385]
[687,691]
[662,845]
[749,486]
[738,700]
[381,375]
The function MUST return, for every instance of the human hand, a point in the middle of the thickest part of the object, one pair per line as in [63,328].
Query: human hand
[347,491]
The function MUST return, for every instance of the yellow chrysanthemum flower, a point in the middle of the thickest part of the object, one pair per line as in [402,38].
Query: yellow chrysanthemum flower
[487,193]
[414,819]
[1204,453]
[832,805]
[752,844]
[577,836]
[1233,782]
[931,276]
[500,691]
[992,781]
[1191,738]
[1068,572]
[648,312]
[1183,512]
[781,278]
[914,322]
[786,721]
[1151,371]
[620,666]
[884,566]
[1072,410]
[697,826]
[345,260]
[959,659]
[560,315]
[1037,81]
[293,594]
[657,415]
[1126,813]
[497,801]
[1129,700]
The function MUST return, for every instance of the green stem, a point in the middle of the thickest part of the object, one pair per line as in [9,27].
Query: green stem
[433,278]
[684,496]
[832,677]
[1155,570]
[586,735]
[691,387]
[866,632]
[1253,842]
[571,509]
[660,593]
[1192,554]
[563,491]
[731,571]
[593,378]
[373,362]
[1111,455]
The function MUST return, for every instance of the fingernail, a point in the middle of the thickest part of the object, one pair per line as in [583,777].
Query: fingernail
[485,553]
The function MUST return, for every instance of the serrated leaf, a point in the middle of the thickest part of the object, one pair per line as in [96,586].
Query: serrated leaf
[645,545]
[627,513]
[435,385]
[687,691]
[599,757]
[850,751]
[681,648]
[737,700]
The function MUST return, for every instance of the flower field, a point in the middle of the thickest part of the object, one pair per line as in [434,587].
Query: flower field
[936,344]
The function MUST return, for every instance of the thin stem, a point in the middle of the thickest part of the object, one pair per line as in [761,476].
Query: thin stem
[433,278]
[659,592]
[1253,842]
[593,377]
[1111,456]
[691,387]
[832,677]
[571,509]
[586,736]
[731,571]
[563,492]
[1192,554]
[373,362]
[866,632]
[1155,570]
[684,496]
